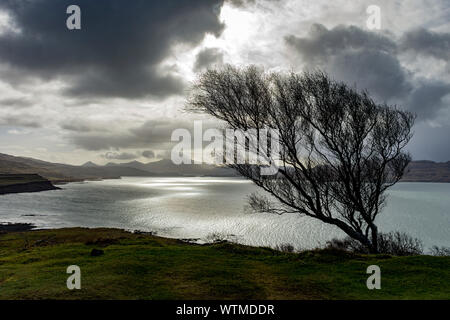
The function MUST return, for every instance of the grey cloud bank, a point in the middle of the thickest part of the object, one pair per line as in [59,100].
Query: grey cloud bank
[371,60]
[111,88]
[118,50]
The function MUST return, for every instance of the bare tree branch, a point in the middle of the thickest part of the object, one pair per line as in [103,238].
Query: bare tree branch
[339,151]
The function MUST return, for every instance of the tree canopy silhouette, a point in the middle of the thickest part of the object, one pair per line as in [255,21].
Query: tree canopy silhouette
[339,151]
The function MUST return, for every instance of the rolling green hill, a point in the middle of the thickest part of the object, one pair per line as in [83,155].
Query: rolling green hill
[138,266]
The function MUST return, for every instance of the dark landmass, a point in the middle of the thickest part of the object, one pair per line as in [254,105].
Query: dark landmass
[19,183]
[427,171]
[166,168]
[116,264]
[62,173]
[417,171]
[15,227]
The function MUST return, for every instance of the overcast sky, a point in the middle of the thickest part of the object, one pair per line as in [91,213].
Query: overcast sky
[114,90]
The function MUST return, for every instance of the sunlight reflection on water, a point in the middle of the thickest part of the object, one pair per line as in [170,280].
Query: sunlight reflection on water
[199,207]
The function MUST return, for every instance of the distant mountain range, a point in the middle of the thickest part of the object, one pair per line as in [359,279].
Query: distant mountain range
[166,167]
[57,172]
[417,171]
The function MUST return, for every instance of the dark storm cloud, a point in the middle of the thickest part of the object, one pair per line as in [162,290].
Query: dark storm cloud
[350,54]
[427,99]
[430,143]
[207,58]
[118,49]
[375,70]
[322,43]
[369,60]
[428,43]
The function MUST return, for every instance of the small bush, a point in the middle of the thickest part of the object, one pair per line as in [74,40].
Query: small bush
[285,247]
[394,243]
[346,244]
[440,251]
[399,244]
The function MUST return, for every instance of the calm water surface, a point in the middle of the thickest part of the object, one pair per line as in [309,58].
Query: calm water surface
[201,207]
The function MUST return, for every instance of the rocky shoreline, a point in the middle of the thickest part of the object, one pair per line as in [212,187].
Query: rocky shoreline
[19,183]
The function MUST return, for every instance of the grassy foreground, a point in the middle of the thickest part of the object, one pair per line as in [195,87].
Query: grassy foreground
[33,266]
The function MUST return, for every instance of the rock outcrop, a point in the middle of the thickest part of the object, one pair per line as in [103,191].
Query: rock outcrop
[18,183]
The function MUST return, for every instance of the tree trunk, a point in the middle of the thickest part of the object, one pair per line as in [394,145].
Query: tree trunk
[374,246]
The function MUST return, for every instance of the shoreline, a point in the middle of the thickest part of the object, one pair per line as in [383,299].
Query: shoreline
[22,183]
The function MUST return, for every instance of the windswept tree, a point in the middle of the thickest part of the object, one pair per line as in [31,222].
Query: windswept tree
[339,151]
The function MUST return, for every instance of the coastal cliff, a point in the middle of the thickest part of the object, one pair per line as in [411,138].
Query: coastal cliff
[18,183]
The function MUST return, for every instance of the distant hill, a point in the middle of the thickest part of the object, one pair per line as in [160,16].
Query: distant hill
[168,168]
[427,171]
[18,183]
[90,164]
[57,172]
[417,171]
